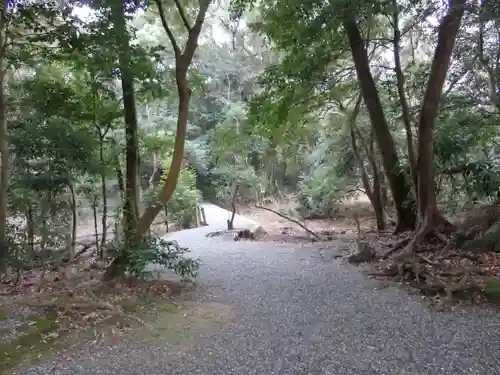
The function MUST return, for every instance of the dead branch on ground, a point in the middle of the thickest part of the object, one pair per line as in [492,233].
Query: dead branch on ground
[317,236]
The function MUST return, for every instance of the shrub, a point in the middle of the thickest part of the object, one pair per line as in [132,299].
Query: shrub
[156,250]
[319,191]
[182,205]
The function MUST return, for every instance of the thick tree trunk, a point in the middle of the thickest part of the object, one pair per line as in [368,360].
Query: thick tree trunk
[400,188]
[428,213]
[130,204]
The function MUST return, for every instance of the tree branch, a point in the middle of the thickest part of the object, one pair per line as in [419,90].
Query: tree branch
[175,46]
[192,41]
[419,18]
[364,174]
[400,81]
[485,64]
[292,220]
[183,15]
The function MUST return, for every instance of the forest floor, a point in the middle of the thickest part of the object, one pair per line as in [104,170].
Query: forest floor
[321,314]
[274,307]
[445,274]
[343,226]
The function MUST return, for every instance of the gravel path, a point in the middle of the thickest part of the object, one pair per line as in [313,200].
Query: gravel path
[295,311]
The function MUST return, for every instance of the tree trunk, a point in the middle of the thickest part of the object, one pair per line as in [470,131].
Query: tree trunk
[167,190]
[230,222]
[4,149]
[373,193]
[428,213]
[398,183]
[119,175]
[130,117]
[383,189]
[74,219]
[182,63]
[104,192]
[96,227]
[378,200]
[400,81]
[166,218]
[30,221]
[487,65]
[130,204]
[116,265]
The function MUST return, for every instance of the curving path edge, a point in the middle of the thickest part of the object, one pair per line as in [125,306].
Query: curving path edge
[292,310]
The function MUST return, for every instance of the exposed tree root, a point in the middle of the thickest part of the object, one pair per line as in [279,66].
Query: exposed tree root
[397,247]
[425,234]
[462,266]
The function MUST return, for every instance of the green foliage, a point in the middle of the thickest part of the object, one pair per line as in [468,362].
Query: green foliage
[268,109]
[232,145]
[157,251]
[182,205]
[319,191]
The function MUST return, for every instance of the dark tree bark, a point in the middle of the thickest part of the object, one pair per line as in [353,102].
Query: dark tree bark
[400,81]
[379,203]
[130,207]
[104,190]
[428,214]
[400,186]
[131,198]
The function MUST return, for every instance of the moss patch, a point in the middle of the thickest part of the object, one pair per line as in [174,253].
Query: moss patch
[3,315]
[39,336]
[176,325]
[42,336]
[492,288]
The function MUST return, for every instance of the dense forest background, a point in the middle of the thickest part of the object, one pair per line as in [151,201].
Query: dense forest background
[116,114]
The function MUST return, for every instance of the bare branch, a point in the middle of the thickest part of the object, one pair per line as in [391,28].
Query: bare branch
[407,28]
[192,41]
[183,15]
[292,220]
[400,82]
[169,32]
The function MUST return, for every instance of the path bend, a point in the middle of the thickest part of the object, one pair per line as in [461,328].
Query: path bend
[299,311]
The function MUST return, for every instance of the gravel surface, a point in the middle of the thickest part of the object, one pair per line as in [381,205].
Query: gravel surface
[295,311]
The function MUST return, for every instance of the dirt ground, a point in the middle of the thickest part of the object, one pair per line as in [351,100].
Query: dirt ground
[353,218]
